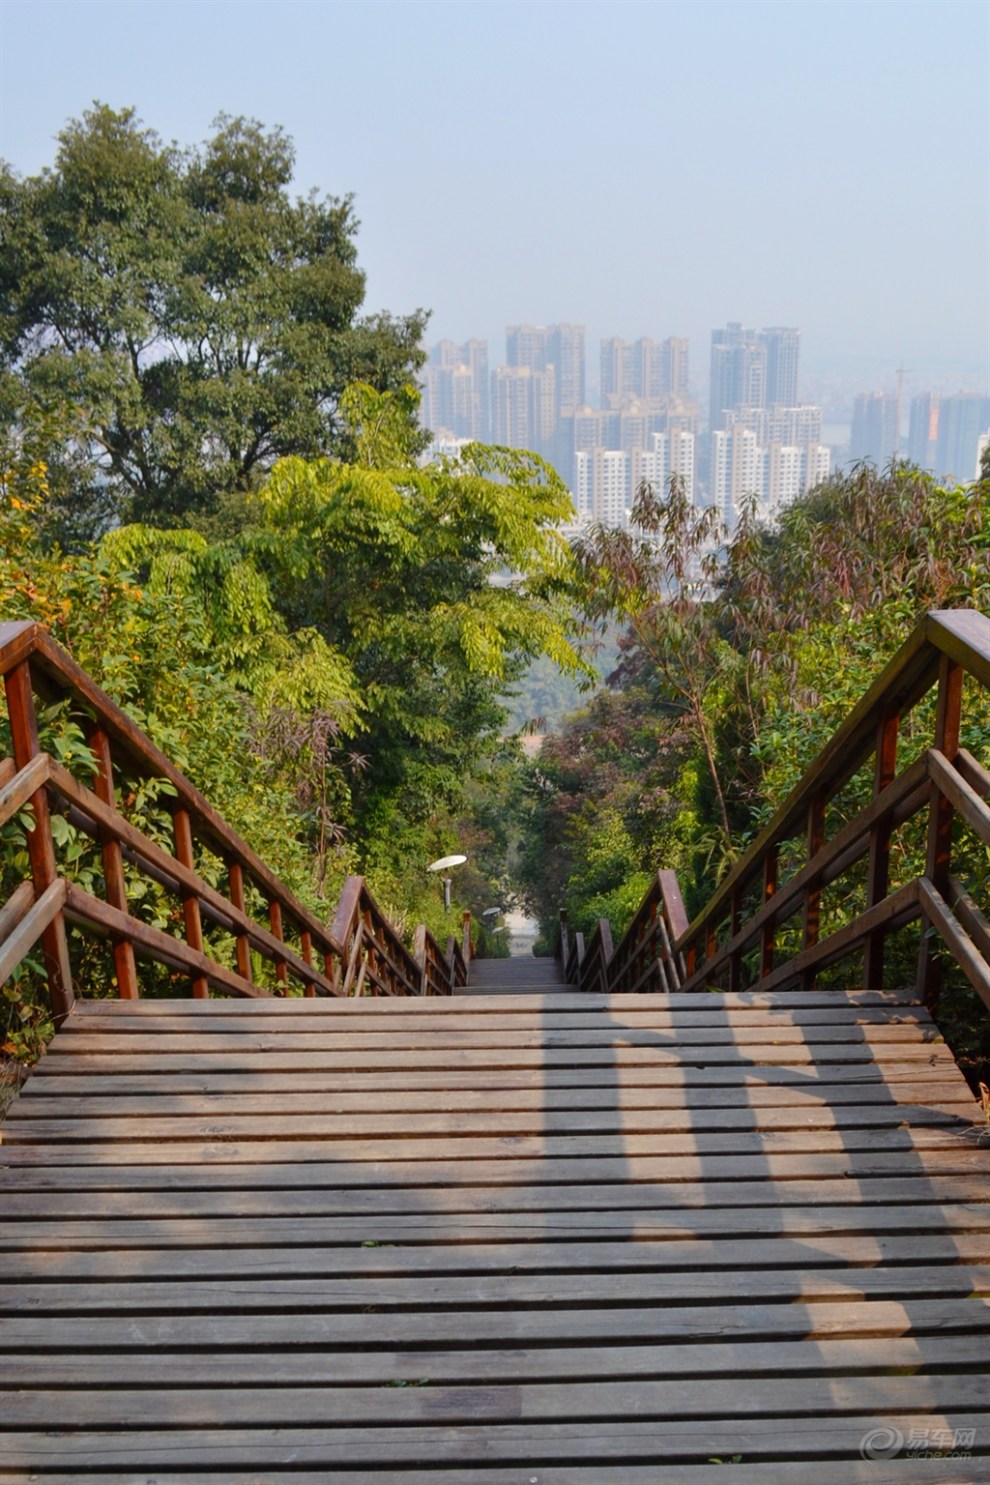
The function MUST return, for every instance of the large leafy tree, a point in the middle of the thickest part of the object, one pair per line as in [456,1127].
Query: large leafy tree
[399,598]
[187,319]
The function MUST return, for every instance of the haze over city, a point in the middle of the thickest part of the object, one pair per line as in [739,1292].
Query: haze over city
[641,169]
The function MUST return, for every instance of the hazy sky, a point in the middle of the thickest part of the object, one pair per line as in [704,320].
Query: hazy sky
[650,169]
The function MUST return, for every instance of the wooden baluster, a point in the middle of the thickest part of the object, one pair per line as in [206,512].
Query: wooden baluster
[243,943]
[419,954]
[735,961]
[768,935]
[281,969]
[113,865]
[184,854]
[878,871]
[306,941]
[937,865]
[465,946]
[813,897]
[711,940]
[332,968]
[41,848]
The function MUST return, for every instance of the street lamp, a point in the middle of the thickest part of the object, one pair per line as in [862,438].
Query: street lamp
[444,864]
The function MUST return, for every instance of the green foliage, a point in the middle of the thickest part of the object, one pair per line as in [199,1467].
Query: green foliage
[738,666]
[189,321]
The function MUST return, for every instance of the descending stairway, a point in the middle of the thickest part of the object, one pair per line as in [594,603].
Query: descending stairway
[518,975]
[496,1240]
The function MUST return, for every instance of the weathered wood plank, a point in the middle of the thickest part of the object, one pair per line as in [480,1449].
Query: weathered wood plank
[899,1471]
[652,1442]
[535,1224]
[774,1399]
[475,1366]
[244,1202]
[502,1327]
[190,1264]
[468,1295]
[604,1239]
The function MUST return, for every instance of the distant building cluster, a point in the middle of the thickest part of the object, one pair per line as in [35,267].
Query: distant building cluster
[946,435]
[761,441]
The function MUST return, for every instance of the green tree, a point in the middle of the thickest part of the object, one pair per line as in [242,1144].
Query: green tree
[189,319]
[402,600]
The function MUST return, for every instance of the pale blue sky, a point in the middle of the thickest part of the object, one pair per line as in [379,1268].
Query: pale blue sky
[642,168]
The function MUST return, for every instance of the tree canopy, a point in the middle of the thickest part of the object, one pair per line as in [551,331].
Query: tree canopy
[183,319]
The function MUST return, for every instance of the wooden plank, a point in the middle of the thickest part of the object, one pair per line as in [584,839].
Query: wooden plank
[620,1324]
[112,1139]
[755,1000]
[818,1081]
[530,1444]
[856,1471]
[255,1114]
[184,1264]
[227,1015]
[470,1294]
[533,1136]
[121,1042]
[808,1220]
[474,1366]
[349,1407]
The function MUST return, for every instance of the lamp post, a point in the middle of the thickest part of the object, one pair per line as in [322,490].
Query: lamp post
[444,864]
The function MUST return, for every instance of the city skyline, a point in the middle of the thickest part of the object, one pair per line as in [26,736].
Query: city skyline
[644,169]
[761,439]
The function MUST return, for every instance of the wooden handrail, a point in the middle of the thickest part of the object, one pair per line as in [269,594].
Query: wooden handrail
[733,944]
[961,635]
[359,953]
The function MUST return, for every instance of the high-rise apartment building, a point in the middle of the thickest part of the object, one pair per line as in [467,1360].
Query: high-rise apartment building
[875,434]
[738,373]
[524,408]
[783,347]
[455,387]
[923,430]
[752,368]
[644,370]
[743,466]
[962,420]
[560,346]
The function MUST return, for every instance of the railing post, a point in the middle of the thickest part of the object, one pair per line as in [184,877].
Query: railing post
[878,870]
[419,954]
[768,936]
[948,719]
[275,922]
[306,944]
[235,880]
[735,923]
[41,849]
[565,945]
[813,898]
[182,829]
[466,943]
[113,866]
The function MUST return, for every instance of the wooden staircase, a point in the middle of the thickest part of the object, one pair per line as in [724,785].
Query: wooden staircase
[348,1212]
[495,1239]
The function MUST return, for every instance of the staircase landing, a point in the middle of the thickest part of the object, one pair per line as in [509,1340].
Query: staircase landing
[547,1240]
[520,975]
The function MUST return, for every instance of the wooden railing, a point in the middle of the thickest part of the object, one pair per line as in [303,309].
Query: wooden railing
[359,953]
[646,958]
[443,971]
[735,942]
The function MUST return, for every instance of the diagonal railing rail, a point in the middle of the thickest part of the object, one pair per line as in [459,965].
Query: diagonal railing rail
[734,943]
[359,953]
